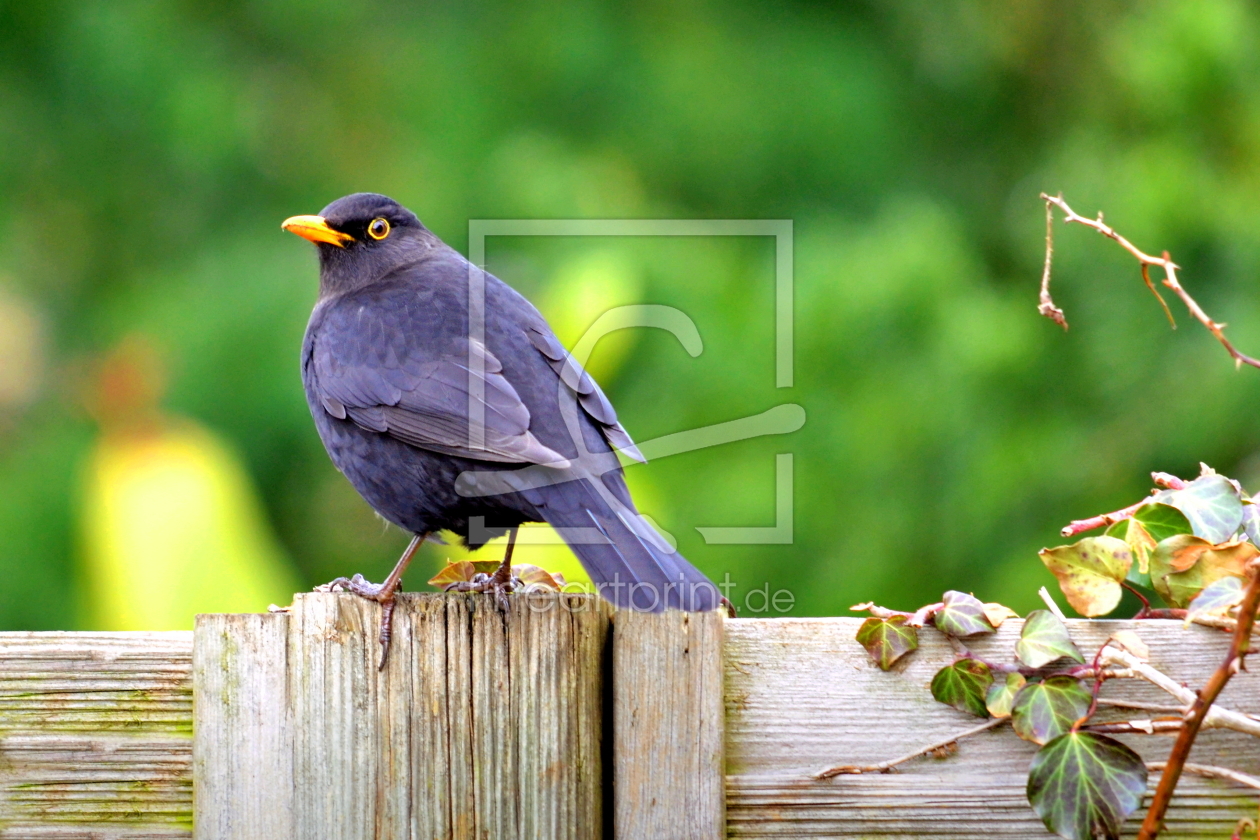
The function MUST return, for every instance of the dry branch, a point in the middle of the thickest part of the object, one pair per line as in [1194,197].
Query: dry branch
[1145,261]
[885,766]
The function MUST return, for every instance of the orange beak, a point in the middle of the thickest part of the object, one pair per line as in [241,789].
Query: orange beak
[316,229]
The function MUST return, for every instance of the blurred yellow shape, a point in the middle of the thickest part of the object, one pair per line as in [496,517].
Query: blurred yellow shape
[172,527]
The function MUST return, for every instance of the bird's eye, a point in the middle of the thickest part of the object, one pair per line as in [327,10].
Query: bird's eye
[379,228]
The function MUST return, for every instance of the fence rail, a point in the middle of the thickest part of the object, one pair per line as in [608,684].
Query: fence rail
[556,719]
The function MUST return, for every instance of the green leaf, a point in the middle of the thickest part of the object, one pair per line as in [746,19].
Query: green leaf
[1085,785]
[1162,521]
[1140,543]
[1211,503]
[887,639]
[1182,566]
[1089,572]
[1044,639]
[962,615]
[1043,711]
[1218,598]
[964,685]
[1251,521]
[1001,695]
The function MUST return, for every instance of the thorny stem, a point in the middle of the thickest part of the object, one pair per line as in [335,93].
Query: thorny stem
[1047,307]
[886,766]
[1234,662]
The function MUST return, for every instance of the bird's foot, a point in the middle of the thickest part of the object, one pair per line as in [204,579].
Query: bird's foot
[384,594]
[494,584]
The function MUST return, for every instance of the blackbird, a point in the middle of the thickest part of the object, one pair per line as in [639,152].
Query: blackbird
[475,425]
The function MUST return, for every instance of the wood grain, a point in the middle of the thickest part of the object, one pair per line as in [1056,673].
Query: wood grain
[241,705]
[483,724]
[95,735]
[668,725]
[802,695]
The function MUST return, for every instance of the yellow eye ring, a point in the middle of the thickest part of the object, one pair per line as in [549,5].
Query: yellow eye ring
[379,228]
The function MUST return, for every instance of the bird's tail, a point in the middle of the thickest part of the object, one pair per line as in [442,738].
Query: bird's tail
[630,563]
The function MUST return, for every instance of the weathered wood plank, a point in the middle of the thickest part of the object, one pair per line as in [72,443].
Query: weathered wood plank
[801,695]
[95,735]
[668,725]
[483,724]
[241,707]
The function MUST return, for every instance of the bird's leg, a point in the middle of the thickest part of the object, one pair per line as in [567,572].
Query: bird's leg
[384,594]
[503,574]
[500,583]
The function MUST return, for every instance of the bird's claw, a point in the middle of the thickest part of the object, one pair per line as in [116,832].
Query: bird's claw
[482,582]
[362,587]
[378,592]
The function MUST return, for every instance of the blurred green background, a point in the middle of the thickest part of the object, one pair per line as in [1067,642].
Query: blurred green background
[151,309]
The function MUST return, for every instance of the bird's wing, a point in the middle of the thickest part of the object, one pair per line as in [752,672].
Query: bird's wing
[589,395]
[426,403]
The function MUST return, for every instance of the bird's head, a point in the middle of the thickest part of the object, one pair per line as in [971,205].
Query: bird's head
[361,238]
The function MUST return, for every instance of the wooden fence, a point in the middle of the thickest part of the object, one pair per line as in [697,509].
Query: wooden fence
[555,720]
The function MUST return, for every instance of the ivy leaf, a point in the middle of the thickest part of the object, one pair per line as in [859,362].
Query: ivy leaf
[964,685]
[1131,642]
[1141,543]
[1001,695]
[1179,553]
[1182,566]
[531,575]
[1251,520]
[1211,503]
[1162,521]
[887,639]
[1044,639]
[961,615]
[1089,572]
[1218,598]
[1043,711]
[466,570]
[462,570]
[997,613]
[1084,785]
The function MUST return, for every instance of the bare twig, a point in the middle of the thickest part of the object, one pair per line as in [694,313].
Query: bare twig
[1163,261]
[1046,306]
[1234,662]
[1077,526]
[1135,727]
[1172,482]
[886,766]
[1103,519]
[1211,772]
[1218,717]
[1145,707]
[1048,600]
[877,611]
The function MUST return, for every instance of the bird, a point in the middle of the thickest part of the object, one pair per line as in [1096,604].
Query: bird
[446,400]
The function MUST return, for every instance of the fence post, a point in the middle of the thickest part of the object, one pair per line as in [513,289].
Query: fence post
[668,726]
[483,723]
